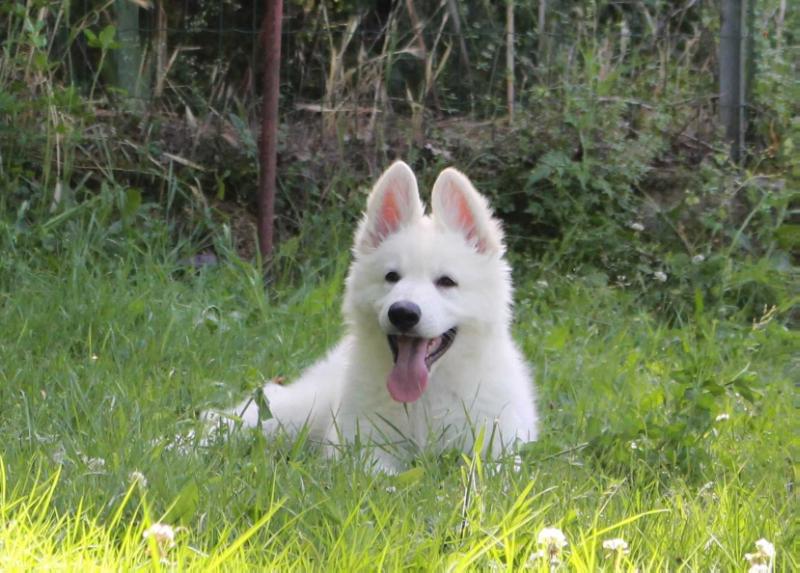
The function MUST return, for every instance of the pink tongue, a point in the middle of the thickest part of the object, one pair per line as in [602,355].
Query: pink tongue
[409,377]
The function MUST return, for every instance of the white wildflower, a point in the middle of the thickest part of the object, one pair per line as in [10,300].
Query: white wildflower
[541,283]
[660,276]
[553,541]
[94,464]
[634,445]
[765,548]
[697,259]
[722,417]
[636,226]
[138,478]
[616,544]
[163,534]
[761,560]
[552,537]
[391,489]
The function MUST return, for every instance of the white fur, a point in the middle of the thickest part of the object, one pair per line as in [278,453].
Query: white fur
[482,381]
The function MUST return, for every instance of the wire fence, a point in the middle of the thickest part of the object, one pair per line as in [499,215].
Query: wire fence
[424,55]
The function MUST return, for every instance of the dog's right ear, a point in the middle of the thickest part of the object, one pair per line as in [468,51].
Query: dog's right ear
[393,203]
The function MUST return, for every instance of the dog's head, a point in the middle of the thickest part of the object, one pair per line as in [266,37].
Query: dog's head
[427,282]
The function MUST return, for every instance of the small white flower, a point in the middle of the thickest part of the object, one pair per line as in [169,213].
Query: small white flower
[697,259]
[94,464]
[541,283]
[722,417]
[660,276]
[634,445]
[391,489]
[766,548]
[552,536]
[138,478]
[163,534]
[616,544]
[636,226]
[761,560]
[552,540]
[94,357]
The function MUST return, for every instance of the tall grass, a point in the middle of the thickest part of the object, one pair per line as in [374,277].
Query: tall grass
[108,351]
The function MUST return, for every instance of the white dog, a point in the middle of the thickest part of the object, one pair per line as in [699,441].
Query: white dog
[428,358]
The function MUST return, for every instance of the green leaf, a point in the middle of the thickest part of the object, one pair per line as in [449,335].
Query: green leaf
[91,38]
[411,476]
[107,35]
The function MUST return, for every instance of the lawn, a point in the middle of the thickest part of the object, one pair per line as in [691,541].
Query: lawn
[678,436]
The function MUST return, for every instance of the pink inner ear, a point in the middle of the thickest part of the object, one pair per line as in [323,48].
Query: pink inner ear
[388,217]
[464,214]
[466,220]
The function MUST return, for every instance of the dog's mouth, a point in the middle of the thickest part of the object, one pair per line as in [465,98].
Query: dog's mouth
[413,359]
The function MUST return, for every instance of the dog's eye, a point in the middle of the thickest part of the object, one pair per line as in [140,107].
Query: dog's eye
[446,282]
[392,277]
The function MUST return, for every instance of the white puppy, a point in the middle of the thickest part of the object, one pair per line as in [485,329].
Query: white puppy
[428,358]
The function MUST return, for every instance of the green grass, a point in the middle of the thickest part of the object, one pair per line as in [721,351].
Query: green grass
[107,353]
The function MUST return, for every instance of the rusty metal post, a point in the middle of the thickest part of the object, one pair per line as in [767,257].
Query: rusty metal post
[269,127]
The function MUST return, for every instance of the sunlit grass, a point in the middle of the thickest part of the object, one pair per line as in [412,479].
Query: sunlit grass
[103,361]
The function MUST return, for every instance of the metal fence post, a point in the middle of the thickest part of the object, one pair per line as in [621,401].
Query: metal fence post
[269,126]
[732,80]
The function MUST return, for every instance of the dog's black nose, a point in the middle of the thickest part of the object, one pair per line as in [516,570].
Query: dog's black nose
[404,315]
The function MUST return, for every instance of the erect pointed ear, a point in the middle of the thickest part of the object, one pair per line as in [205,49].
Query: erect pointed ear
[392,204]
[457,206]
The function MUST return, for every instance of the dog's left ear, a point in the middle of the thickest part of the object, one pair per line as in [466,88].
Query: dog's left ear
[457,206]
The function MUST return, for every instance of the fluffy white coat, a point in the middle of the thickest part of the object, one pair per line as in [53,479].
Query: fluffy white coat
[449,266]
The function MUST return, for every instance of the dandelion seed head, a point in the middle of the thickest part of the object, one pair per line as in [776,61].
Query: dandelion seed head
[552,536]
[163,534]
[766,548]
[697,259]
[660,276]
[552,540]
